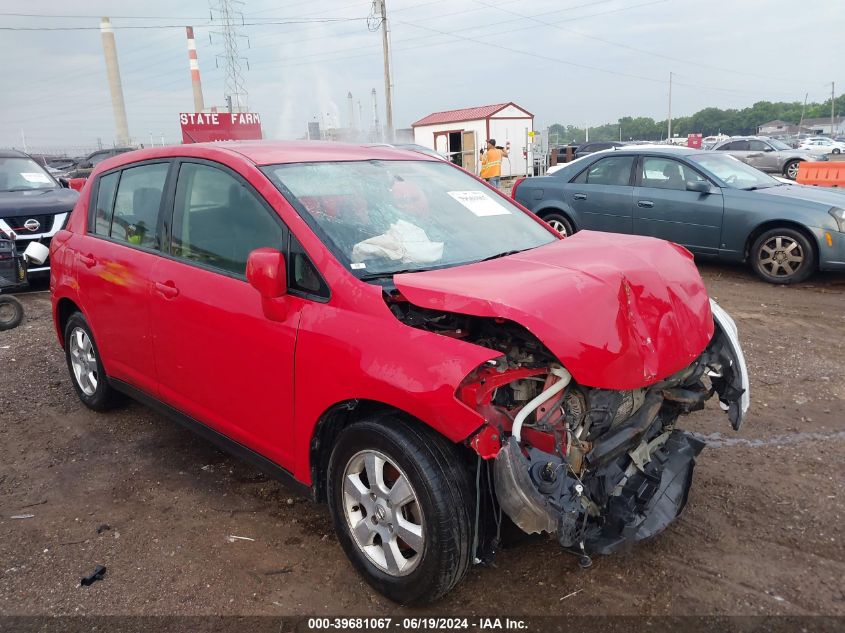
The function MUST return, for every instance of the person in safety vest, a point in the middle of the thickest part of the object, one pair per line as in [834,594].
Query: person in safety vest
[491,162]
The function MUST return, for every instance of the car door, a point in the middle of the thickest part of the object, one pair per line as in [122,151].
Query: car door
[220,360]
[116,256]
[664,207]
[762,155]
[601,195]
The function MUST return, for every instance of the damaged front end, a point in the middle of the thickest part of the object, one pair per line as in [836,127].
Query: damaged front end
[599,468]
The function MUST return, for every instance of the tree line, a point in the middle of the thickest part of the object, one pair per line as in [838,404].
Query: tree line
[708,121]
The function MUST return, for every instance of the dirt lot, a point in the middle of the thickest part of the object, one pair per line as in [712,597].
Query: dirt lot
[762,532]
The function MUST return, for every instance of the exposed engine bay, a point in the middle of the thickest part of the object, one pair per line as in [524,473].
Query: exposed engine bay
[598,468]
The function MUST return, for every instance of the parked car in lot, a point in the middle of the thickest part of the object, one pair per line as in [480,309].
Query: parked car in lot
[709,202]
[85,165]
[33,204]
[822,145]
[385,329]
[595,146]
[767,154]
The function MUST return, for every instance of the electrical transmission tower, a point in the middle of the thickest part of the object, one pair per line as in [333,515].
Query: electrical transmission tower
[227,14]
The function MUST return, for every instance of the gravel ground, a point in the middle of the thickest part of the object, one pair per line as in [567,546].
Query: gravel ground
[130,490]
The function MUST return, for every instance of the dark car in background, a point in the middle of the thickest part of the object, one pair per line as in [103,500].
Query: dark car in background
[33,204]
[767,154]
[595,146]
[84,166]
[709,202]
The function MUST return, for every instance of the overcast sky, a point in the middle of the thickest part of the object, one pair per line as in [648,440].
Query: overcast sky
[567,61]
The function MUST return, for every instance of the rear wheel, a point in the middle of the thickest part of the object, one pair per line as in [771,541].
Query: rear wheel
[400,502]
[85,367]
[783,256]
[11,313]
[790,170]
[835,150]
[559,223]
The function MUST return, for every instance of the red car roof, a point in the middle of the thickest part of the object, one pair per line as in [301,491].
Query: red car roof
[270,152]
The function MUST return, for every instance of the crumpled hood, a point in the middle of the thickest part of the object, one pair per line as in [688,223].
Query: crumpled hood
[15,204]
[618,311]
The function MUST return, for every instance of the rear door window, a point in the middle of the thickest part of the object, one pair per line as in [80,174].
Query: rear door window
[137,204]
[218,221]
[613,170]
[106,187]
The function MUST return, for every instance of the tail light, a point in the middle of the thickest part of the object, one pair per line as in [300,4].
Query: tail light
[516,184]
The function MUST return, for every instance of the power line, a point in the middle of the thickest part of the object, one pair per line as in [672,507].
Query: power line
[175,26]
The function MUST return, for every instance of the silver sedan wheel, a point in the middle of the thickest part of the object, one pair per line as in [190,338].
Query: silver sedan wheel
[383,513]
[558,226]
[781,256]
[792,171]
[83,360]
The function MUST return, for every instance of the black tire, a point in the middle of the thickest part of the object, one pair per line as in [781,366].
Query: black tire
[835,150]
[441,489]
[558,222]
[11,313]
[102,396]
[790,170]
[778,244]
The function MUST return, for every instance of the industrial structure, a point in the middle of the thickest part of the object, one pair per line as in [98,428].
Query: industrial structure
[115,86]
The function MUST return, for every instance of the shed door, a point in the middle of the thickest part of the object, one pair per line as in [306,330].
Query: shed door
[470,157]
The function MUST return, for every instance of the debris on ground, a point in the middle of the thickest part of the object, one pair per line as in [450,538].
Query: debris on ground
[99,572]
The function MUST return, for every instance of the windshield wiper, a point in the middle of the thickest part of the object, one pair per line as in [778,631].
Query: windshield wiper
[389,273]
[498,255]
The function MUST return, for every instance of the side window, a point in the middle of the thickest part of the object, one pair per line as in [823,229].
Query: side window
[758,146]
[302,274]
[218,222]
[137,204]
[664,173]
[613,170]
[99,157]
[105,203]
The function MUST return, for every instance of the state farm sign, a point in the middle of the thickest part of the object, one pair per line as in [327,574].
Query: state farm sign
[200,127]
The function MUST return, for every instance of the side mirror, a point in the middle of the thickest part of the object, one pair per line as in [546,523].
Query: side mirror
[699,186]
[267,273]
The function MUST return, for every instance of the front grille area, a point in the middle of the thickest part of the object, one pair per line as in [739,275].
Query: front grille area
[45,224]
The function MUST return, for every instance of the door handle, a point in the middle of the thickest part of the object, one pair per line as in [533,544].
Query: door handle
[579,196]
[645,204]
[89,260]
[168,290]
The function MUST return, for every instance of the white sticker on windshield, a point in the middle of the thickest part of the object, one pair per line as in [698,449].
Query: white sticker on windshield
[479,203]
[357,265]
[34,176]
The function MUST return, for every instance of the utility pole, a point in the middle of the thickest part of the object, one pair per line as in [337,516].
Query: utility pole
[801,122]
[385,44]
[23,140]
[832,104]
[670,106]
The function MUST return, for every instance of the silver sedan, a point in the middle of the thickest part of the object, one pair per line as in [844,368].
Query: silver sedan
[767,154]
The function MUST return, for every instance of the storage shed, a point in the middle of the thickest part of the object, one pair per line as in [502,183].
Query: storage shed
[461,133]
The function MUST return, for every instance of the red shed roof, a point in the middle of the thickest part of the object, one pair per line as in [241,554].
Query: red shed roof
[465,114]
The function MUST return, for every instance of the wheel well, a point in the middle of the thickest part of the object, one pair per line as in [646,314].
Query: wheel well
[64,310]
[775,224]
[331,423]
[543,213]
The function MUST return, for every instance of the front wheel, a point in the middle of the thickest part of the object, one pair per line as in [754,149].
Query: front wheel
[400,498]
[11,313]
[835,150]
[783,256]
[790,170]
[559,223]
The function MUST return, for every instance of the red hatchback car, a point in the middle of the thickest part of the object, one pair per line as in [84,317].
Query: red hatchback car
[401,341]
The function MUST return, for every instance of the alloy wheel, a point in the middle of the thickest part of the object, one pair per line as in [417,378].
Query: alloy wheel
[781,256]
[383,513]
[558,226]
[83,360]
[792,171]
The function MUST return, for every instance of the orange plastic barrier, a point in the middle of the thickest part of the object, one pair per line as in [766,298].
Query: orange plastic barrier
[827,174]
